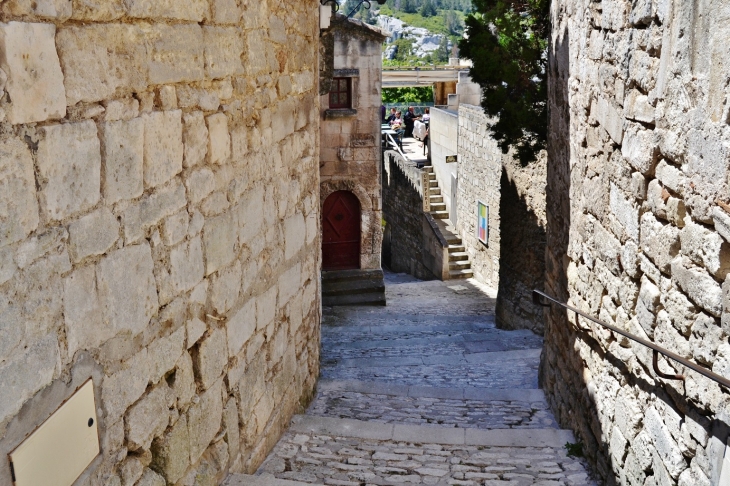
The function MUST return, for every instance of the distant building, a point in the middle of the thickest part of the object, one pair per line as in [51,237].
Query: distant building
[350,189]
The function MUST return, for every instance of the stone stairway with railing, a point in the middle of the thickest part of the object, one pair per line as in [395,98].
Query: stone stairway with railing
[459,262]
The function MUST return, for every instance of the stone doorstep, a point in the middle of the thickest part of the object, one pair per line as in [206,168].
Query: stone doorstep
[454,359]
[304,424]
[412,391]
[261,480]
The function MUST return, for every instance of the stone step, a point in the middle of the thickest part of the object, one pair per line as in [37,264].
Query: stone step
[455,256]
[342,287]
[427,168]
[438,206]
[454,274]
[436,199]
[424,434]
[370,298]
[457,248]
[432,184]
[436,191]
[440,214]
[533,395]
[356,274]
[459,265]
[431,176]
[262,480]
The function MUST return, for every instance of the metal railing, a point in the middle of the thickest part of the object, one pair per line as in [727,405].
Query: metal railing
[536,299]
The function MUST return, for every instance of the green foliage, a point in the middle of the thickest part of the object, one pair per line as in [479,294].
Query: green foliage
[428,9]
[421,94]
[441,55]
[409,6]
[574,450]
[405,49]
[453,22]
[507,43]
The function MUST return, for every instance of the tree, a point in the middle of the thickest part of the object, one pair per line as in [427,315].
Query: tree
[453,23]
[428,9]
[441,55]
[404,49]
[507,44]
[416,95]
[409,6]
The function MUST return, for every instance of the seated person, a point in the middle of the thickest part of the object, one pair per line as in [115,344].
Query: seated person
[391,117]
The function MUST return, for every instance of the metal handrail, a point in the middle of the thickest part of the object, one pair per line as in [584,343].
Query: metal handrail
[395,144]
[536,295]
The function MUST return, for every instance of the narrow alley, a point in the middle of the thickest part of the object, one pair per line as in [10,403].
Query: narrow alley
[424,391]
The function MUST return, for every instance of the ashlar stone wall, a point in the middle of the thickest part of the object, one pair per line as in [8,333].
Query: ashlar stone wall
[159,195]
[638,232]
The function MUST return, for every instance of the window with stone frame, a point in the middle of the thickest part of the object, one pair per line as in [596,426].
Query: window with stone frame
[341,93]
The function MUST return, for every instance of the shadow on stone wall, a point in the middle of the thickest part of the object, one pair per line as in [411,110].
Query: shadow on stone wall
[522,259]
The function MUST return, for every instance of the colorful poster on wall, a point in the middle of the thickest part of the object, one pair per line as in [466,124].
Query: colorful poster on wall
[482,222]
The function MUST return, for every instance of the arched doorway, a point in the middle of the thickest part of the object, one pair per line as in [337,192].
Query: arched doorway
[341,231]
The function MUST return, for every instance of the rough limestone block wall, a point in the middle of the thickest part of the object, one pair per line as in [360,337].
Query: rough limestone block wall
[403,214]
[522,241]
[480,169]
[350,140]
[638,232]
[159,227]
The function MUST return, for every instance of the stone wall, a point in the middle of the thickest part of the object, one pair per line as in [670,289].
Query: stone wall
[513,260]
[480,169]
[522,241]
[443,133]
[411,245]
[638,231]
[159,192]
[350,139]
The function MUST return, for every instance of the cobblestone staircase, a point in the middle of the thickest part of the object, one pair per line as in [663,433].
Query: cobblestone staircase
[424,391]
[459,263]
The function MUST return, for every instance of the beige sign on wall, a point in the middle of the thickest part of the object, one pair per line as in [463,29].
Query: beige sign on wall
[62,447]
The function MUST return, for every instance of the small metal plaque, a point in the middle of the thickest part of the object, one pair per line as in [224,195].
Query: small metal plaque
[62,447]
[452,158]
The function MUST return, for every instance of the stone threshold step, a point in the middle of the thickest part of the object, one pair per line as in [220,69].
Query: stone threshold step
[423,434]
[261,480]
[412,391]
[445,359]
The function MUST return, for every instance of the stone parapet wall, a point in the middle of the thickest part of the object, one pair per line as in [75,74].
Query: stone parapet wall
[479,171]
[637,211]
[159,228]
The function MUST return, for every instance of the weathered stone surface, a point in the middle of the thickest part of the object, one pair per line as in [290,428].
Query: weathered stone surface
[127,290]
[225,288]
[186,265]
[666,447]
[121,109]
[625,211]
[219,143]
[204,420]
[609,119]
[233,434]
[175,228]
[722,222]
[195,137]
[223,51]
[193,10]
[69,160]
[151,209]
[211,358]
[240,327]
[200,184]
[226,12]
[122,149]
[698,284]
[176,53]
[82,312]
[99,60]
[26,373]
[131,470]
[220,240]
[123,388]
[148,418]
[294,235]
[639,149]
[171,452]
[706,248]
[163,149]
[183,384]
[150,478]
[93,234]
[18,205]
[195,329]
[164,353]
[34,77]
[660,242]
[706,337]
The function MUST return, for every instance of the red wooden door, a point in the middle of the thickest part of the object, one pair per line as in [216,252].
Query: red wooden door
[341,231]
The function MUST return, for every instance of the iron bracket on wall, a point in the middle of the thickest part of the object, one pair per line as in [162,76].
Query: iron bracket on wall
[537,297]
[331,2]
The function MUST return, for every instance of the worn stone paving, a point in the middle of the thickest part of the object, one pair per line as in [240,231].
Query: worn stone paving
[497,414]
[433,365]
